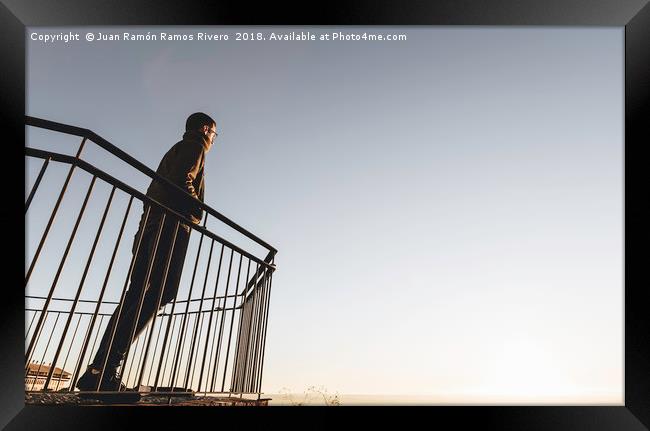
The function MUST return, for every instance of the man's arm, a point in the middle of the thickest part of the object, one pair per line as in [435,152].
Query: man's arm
[189,164]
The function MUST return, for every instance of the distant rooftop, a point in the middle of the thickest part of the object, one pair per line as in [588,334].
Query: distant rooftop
[42,370]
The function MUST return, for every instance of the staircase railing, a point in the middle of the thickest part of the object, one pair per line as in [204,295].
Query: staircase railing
[213,343]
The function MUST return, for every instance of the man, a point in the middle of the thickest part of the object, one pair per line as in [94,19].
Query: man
[183,166]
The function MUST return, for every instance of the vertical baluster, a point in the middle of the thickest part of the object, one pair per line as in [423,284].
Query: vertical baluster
[171,322]
[47,346]
[210,374]
[166,353]
[155,347]
[250,343]
[266,321]
[200,317]
[65,361]
[236,360]
[99,327]
[52,216]
[129,368]
[183,323]
[46,162]
[223,315]
[143,289]
[160,294]
[93,319]
[65,255]
[207,339]
[81,284]
[253,343]
[29,328]
[75,372]
[258,333]
[232,320]
[205,283]
[247,309]
[155,385]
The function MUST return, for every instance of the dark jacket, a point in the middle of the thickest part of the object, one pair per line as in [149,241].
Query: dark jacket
[183,165]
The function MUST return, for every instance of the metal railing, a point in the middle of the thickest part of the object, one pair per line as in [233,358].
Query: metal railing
[212,343]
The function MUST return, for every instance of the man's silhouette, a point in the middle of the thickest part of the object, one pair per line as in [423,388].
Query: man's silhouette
[182,165]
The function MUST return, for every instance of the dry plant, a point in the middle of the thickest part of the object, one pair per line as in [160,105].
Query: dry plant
[318,391]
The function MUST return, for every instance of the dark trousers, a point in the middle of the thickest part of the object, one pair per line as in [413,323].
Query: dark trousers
[126,322]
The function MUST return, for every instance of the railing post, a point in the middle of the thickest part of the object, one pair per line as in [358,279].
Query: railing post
[266,321]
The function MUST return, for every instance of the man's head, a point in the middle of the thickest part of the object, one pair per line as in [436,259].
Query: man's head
[204,124]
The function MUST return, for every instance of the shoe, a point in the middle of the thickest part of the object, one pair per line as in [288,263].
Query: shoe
[111,381]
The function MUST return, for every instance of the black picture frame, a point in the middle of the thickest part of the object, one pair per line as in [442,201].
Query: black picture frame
[633,15]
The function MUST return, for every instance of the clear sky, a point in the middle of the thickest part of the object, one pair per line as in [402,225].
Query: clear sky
[448,209]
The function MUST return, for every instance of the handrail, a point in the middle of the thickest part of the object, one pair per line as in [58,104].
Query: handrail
[82,164]
[117,302]
[106,145]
